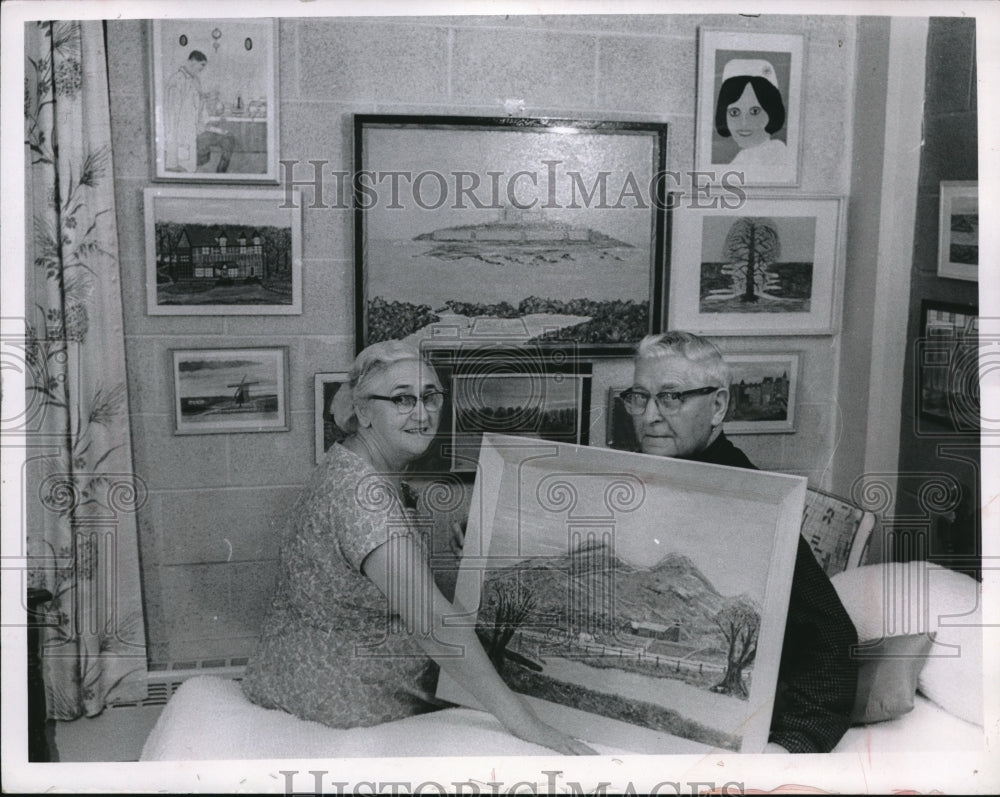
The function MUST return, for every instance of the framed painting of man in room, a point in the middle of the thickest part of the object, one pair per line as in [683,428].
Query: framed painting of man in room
[214,100]
[750,106]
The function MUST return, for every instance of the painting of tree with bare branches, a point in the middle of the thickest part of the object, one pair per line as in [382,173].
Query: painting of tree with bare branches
[739,622]
[752,247]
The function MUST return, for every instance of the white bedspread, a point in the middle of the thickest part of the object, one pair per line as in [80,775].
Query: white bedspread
[208,718]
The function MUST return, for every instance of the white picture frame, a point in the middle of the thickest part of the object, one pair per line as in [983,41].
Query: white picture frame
[958,230]
[799,290]
[223,251]
[763,391]
[222,390]
[778,58]
[572,531]
[217,122]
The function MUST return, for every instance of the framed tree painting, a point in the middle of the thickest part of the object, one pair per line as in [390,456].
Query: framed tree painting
[749,110]
[534,231]
[958,230]
[214,100]
[765,266]
[223,251]
[619,595]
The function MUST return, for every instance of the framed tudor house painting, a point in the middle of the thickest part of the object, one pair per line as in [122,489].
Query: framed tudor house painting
[218,251]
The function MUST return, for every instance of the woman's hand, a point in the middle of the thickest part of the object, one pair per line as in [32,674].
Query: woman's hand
[527,726]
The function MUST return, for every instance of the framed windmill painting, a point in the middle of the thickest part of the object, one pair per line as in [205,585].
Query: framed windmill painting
[766,266]
[230,390]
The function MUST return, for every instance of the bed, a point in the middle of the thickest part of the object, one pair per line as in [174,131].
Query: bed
[921,688]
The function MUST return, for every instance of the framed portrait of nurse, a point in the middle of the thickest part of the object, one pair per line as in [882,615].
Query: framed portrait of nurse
[749,114]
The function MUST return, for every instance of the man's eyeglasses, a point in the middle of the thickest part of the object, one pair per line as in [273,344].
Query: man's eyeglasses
[669,401]
[432,400]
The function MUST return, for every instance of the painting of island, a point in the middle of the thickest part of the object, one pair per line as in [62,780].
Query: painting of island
[616,588]
[540,260]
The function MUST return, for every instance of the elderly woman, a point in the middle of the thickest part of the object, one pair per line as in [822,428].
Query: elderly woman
[355,633]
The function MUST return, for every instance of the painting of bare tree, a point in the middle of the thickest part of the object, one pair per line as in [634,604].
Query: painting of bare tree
[764,267]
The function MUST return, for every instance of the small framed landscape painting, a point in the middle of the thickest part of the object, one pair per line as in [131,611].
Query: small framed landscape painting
[230,390]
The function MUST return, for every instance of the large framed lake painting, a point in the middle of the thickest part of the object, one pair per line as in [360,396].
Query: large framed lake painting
[636,601]
[509,231]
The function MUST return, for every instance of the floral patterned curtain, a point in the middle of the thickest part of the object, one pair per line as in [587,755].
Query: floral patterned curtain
[82,494]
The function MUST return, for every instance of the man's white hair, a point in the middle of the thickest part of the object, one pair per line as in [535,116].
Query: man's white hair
[694,348]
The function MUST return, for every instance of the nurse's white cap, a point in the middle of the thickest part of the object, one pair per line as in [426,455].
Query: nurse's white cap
[755,67]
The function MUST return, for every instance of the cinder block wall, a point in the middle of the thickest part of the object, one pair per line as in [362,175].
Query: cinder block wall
[209,529]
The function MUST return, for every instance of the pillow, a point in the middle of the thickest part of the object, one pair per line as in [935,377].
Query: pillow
[887,677]
[903,598]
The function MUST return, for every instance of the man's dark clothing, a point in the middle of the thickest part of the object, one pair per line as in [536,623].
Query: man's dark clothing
[817,677]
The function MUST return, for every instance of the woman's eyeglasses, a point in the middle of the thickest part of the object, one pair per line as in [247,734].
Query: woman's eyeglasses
[669,401]
[432,400]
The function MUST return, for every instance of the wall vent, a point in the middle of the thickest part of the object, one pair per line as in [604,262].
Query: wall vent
[162,680]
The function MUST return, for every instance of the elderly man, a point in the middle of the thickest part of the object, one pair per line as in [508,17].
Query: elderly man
[678,400]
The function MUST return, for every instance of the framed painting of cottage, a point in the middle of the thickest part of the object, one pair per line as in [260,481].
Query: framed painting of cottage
[539,231]
[749,110]
[762,391]
[948,368]
[328,432]
[223,251]
[615,591]
[958,230]
[764,266]
[214,100]
[230,390]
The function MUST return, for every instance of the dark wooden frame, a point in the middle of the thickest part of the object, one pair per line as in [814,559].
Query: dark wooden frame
[562,130]
[945,362]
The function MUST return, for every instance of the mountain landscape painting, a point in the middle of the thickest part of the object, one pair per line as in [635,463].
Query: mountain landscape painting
[618,589]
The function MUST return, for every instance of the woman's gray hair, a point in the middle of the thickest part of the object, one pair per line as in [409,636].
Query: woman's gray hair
[370,362]
[694,348]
